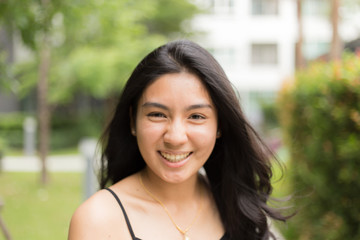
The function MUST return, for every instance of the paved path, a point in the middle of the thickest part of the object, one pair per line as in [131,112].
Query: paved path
[63,163]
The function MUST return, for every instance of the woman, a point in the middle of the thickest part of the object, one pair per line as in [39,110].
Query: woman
[178,113]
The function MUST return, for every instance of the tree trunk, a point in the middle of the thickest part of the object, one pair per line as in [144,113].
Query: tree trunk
[335,52]
[300,62]
[43,108]
[42,91]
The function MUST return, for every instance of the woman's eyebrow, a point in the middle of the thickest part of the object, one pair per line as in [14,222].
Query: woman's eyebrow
[191,107]
[155,104]
[201,105]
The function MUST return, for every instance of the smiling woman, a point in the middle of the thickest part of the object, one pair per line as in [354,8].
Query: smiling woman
[178,113]
[175,126]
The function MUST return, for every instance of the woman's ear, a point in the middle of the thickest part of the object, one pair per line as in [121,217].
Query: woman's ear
[132,122]
[218,133]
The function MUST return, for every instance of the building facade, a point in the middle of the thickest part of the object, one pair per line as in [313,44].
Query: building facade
[254,41]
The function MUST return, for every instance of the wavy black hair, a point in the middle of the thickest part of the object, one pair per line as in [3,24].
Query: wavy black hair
[238,170]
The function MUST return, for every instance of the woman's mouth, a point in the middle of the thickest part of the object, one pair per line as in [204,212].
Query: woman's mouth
[174,158]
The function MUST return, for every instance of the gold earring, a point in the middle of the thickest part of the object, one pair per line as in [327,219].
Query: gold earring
[133,132]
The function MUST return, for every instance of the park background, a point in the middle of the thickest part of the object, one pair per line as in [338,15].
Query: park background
[295,64]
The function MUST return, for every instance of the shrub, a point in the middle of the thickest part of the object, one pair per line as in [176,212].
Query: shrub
[269,110]
[320,116]
[11,129]
[3,147]
[66,130]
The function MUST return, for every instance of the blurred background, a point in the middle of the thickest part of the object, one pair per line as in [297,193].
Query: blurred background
[294,63]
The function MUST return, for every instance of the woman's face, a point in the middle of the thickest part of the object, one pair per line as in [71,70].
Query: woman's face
[176,126]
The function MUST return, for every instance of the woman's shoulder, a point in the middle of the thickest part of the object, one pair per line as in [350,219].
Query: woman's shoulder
[92,219]
[98,205]
[100,216]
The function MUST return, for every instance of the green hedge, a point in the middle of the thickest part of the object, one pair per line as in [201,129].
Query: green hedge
[320,116]
[66,131]
[11,129]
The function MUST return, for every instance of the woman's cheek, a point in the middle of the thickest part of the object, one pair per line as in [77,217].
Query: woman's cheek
[150,130]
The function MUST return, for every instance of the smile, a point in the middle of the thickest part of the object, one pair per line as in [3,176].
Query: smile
[174,157]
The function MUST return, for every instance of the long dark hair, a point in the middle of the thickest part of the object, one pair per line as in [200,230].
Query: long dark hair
[238,169]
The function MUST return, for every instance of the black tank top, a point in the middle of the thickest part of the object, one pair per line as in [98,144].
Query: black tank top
[128,221]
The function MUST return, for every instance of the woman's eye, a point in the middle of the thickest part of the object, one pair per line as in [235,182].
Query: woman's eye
[197,117]
[156,115]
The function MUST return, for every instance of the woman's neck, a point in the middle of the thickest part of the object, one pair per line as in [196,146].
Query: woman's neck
[173,193]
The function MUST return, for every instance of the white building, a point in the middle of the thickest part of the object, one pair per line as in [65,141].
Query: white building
[254,41]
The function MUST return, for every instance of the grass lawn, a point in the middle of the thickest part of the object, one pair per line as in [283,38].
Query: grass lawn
[34,212]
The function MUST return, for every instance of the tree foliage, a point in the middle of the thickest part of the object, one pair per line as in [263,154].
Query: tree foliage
[95,43]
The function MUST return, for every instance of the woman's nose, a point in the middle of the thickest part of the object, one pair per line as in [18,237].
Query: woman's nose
[176,133]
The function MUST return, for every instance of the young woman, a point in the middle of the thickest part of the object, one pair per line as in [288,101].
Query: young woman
[179,159]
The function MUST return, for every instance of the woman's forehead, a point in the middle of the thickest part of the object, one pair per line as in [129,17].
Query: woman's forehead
[181,87]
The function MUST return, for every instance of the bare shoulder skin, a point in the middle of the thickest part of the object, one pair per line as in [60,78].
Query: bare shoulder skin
[99,217]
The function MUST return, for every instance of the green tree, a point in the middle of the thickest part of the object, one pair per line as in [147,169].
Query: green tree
[33,20]
[86,46]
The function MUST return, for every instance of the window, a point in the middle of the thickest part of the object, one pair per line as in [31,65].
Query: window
[316,7]
[312,50]
[225,56]
[222,6]
[264,54]
[265,7]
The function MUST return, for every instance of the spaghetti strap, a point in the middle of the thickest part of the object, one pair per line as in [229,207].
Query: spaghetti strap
[225,237]
[124,212]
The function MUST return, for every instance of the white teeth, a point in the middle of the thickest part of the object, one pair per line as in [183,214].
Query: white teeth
[174,157]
